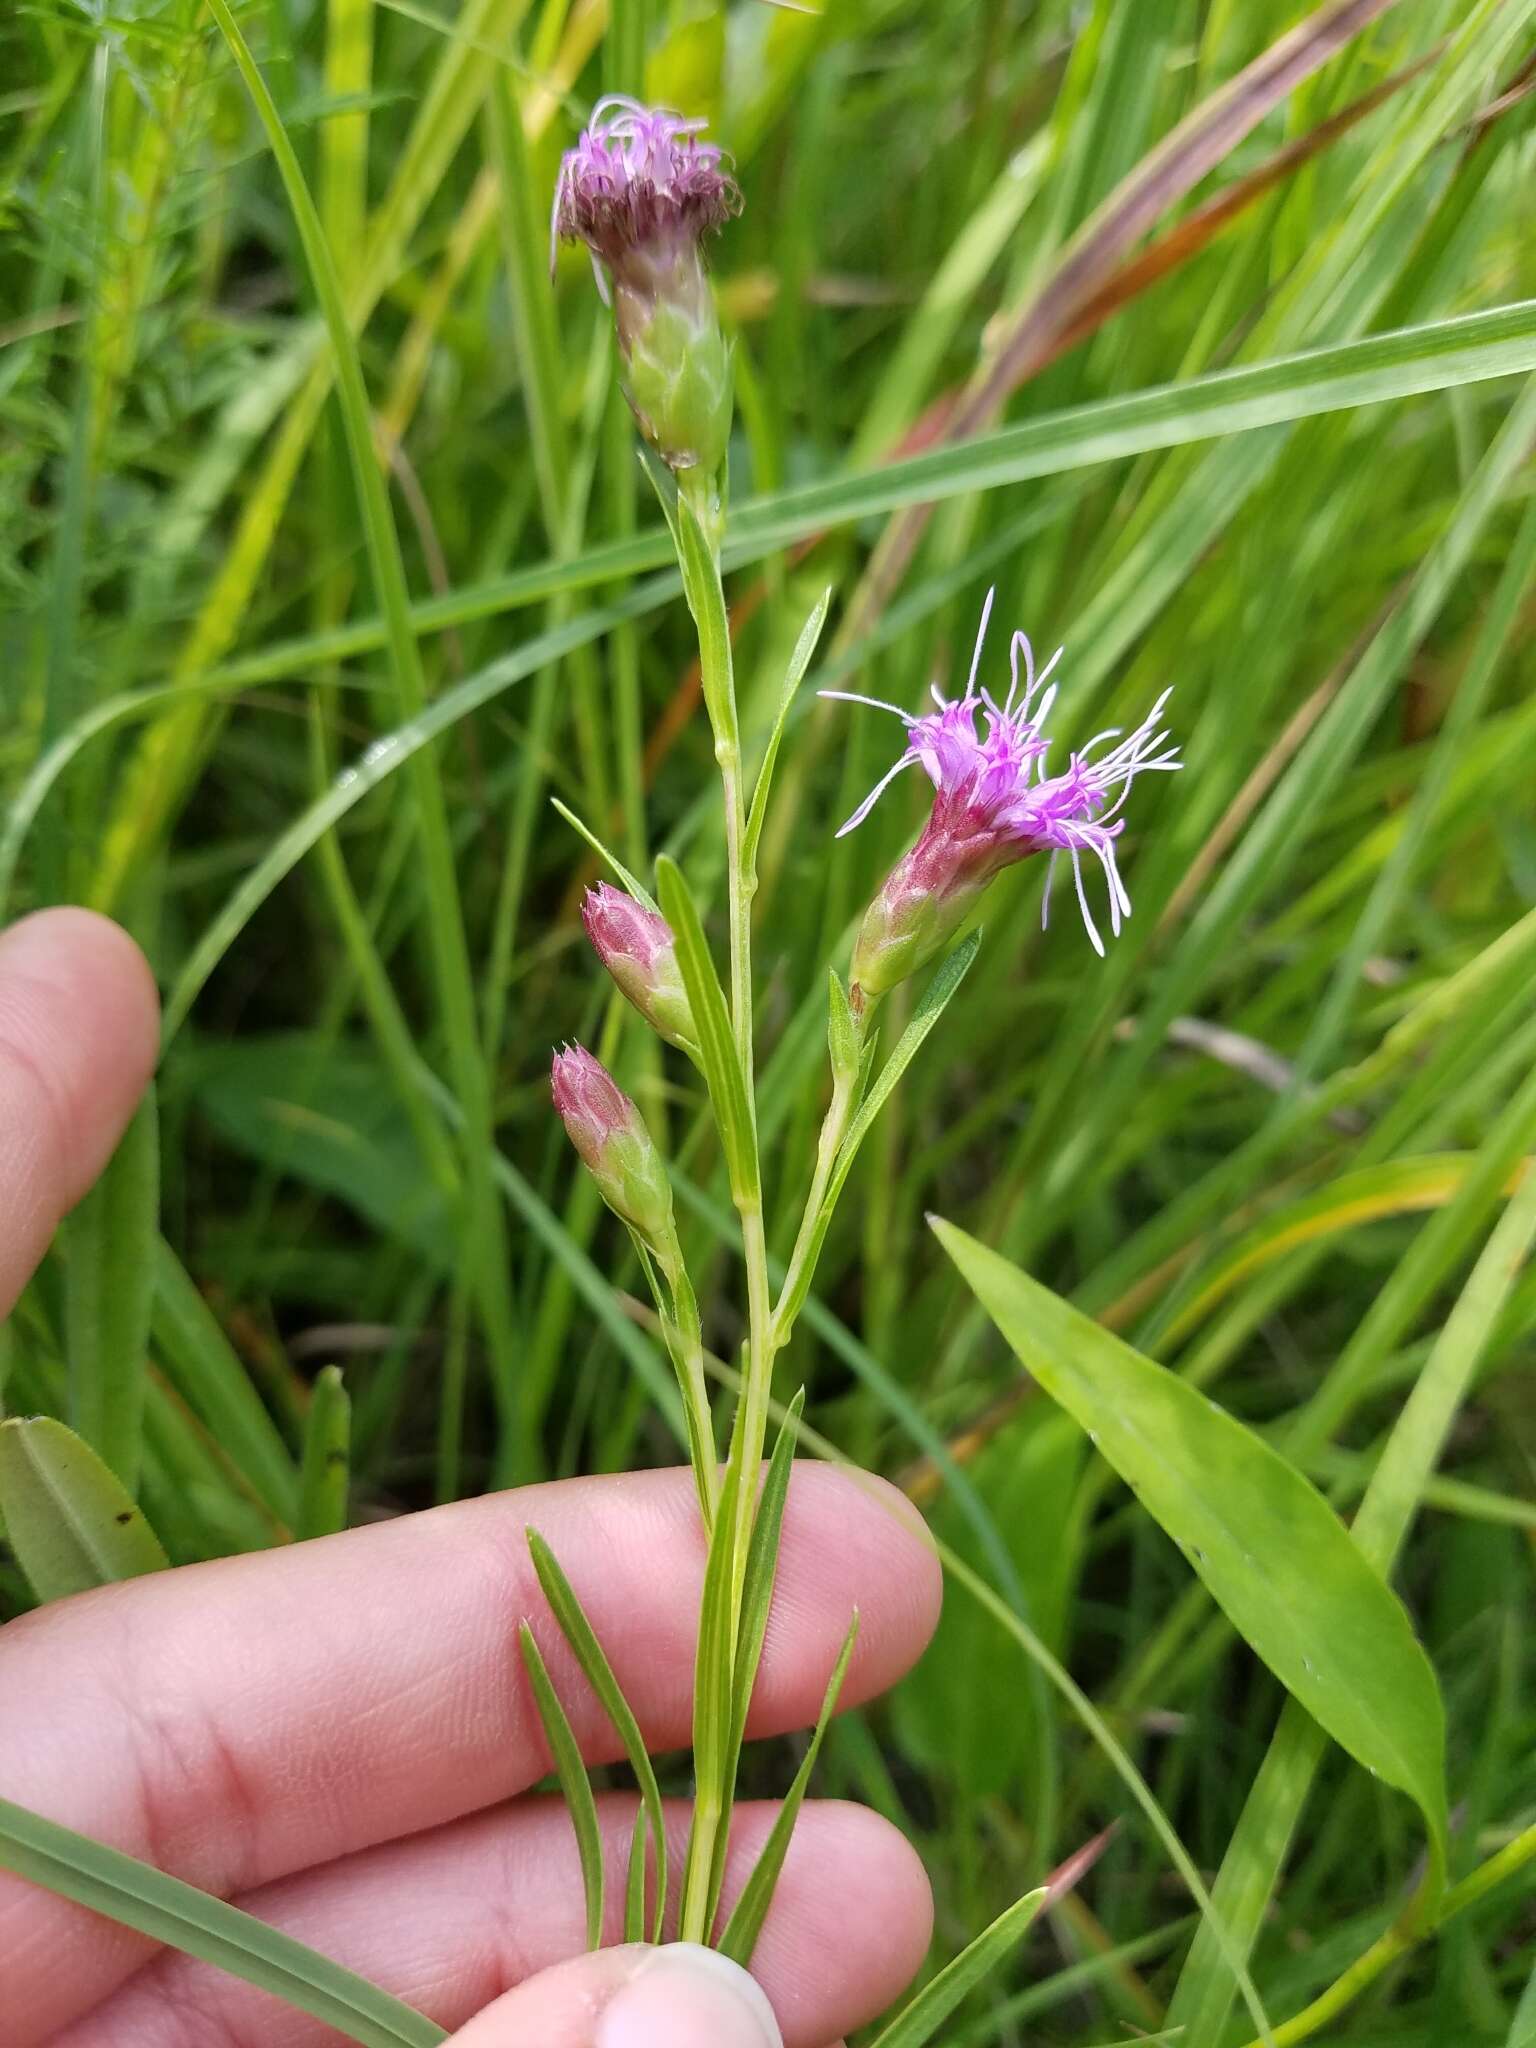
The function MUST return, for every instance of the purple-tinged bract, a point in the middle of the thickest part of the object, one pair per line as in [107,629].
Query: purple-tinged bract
[994,804]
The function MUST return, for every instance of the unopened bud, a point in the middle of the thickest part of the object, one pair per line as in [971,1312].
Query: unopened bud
[639,950]
[618,1151]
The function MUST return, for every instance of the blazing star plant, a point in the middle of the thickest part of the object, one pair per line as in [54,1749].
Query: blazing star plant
[643,191]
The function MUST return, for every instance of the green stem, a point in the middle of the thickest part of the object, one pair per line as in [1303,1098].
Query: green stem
[834,1129]
[1404,1934]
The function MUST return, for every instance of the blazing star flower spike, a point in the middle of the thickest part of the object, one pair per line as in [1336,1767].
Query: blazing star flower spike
[642,191]
[995,804]
[638,948]
[616,1148]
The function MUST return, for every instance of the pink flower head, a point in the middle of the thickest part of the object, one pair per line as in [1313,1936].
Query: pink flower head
[615,1146]
[592,1105]
[994,803]
[639,950]
[638,178]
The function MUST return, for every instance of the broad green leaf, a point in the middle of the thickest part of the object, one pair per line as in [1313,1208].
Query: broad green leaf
[1272,1552]
[574,1782]
[139,1896]
[751,1909]
[588,1652]
[327,1457]
[110,1283]
[920,2020]
[717,1045]
[67,1516]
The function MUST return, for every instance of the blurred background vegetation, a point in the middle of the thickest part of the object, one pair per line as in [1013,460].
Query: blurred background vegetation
[1265,1139]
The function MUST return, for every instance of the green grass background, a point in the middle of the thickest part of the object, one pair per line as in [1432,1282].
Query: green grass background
[1265,1140]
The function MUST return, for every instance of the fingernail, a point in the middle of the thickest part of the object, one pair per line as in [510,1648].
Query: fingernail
[689,1997]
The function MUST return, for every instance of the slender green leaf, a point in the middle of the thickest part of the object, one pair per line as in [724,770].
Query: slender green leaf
[574,1782]
[111,1277]
[635,1928]
[928,1012]
[717,1044]
[920,2020]
[1272,1552]
[588,1652]
[326,1468]
[799,662]
[631,881]
[67,1516]
[139,1896]
[751,1909]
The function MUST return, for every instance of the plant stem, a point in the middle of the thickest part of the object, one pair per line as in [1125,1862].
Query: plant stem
[1405,1933]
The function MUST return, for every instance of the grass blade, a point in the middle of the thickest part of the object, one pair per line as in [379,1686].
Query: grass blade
[139,1896]
[109,1287]
[922,2018]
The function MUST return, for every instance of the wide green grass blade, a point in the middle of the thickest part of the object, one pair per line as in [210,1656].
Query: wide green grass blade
[1272,1552]
[138,1896]
[67,1516]
[574,1782]
[109,1287]
[588,1652]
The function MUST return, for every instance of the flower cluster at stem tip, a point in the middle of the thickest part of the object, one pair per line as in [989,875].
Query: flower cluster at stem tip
[642,191]
[994,804]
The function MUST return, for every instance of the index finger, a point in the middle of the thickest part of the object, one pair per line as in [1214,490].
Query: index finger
[78,1037]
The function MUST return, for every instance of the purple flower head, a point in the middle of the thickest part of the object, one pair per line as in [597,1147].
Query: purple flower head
[638,179]
[995,804]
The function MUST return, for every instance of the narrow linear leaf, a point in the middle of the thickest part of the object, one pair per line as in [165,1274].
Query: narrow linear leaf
[751,1909]
[634,1885]
[109,1287]
[706,600]
[69,1519]
[717,1043]
[927,1014]
[756,1604]
[588,1652]
[712,1705]
[167,1910]
[632,882]
[1273,1554]
[326,1470]
[799,662]
[921,2019]
[574,1782]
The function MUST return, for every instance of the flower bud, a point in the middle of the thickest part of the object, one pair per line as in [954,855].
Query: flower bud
[618,1151]
[638,949]
[642,191]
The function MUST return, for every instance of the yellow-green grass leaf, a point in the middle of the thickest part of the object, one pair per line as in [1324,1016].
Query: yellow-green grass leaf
[1273,1554]
[69,1519]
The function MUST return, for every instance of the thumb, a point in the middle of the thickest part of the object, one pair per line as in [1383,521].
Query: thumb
[681,1996]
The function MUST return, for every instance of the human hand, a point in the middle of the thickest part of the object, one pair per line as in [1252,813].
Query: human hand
[338,1735]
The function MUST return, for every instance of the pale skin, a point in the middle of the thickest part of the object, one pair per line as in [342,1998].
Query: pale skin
[337,1736]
